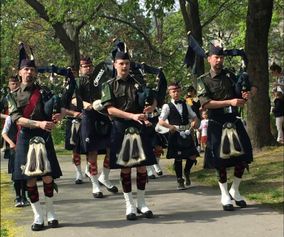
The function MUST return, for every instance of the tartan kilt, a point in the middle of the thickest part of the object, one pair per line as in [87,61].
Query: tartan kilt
[117,135]
[90,140]
[212,152]
[178,151]
[22,148]
[68,126]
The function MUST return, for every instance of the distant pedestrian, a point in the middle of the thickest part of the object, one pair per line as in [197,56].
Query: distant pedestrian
[203,130]
[278,111]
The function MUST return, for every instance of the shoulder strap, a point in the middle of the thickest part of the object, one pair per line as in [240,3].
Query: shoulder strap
[32,103]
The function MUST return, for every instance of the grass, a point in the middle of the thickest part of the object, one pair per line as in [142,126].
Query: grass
[8,211]
[262,184]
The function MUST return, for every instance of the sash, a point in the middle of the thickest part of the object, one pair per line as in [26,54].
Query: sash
[32,103]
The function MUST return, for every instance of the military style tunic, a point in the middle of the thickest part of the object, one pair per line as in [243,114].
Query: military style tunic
[122,94]
[212,86]
[17,104]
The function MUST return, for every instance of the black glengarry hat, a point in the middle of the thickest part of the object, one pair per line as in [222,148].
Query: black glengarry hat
[24,60]
[120,50]
[216,48]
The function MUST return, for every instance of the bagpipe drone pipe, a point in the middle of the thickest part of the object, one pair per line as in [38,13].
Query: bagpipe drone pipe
[54,102]
[104,71]
[242,82]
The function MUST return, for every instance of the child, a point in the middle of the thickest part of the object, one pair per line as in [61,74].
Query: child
[203,129]
[181,119]
[9,134]
[278,111]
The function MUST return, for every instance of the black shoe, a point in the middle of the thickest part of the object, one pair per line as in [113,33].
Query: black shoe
[180,184]
[98,195]
[25,202]
[187,179]
[78,181]
[53,224]
[131,217]
[241,204]
[151,176]
[228,207]
[37,227]
[148,214]
[113,189]
[18,202]
[160,173]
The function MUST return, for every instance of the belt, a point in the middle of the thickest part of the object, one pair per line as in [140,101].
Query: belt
[182,127]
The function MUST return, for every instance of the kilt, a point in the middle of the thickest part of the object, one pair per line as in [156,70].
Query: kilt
[157,139]
[22,148]
[214,133]
[117,135]
[11,161]
[68,125]
[90,137]
[180,148]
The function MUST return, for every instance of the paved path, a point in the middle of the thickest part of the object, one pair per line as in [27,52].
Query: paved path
[192,212]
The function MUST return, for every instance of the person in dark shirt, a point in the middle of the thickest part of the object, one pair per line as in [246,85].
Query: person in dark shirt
[130,145]
[27,111]
[94,132]
[226,147]
[278,111]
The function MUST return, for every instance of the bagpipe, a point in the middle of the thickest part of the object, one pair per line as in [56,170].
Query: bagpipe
[242,82]
[104,71]
[139,72]
[54,102]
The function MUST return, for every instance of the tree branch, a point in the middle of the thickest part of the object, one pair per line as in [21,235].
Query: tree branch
[148,42]
[221,8]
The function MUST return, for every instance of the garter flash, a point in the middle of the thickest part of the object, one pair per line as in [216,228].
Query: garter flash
[37,162]
[131,152]
[230,142]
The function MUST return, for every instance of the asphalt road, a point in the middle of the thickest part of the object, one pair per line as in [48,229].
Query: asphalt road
[192,212]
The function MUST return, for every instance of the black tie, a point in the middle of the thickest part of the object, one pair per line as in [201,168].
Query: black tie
[178,102]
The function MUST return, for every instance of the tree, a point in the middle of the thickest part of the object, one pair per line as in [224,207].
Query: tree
[66,27]
[258,24]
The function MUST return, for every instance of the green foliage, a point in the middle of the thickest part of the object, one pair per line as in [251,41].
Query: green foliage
[58,134]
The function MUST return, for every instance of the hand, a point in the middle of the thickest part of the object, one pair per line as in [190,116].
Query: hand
[77,114]
[148,109]
[57,117]
[139,117]
[237,102]
[246,95]
[46,125]
[148,123]
[172,128]
[12,146]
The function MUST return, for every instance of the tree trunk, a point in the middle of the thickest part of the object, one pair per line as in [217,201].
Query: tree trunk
[258,24]
[67,34]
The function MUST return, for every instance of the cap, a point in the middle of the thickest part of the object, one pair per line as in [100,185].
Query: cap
[24,60]
[216,48]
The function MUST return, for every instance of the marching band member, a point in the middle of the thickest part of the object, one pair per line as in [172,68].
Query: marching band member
[34,146]
[159,142]
[130,146]
[181,119]
[94,131]
[228,144]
